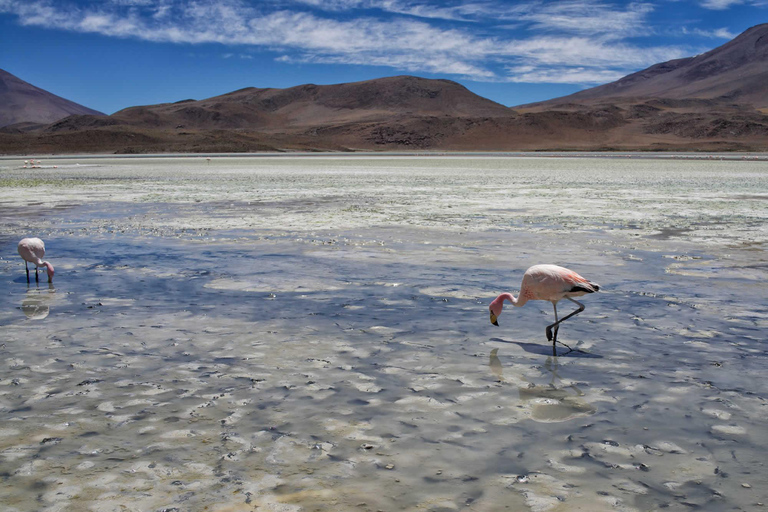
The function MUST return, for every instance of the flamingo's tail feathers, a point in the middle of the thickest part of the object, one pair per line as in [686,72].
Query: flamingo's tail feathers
[587,287]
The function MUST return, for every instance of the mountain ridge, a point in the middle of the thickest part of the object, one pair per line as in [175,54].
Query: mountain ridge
[310,104]
[25,103]
[736,72]
[708,102]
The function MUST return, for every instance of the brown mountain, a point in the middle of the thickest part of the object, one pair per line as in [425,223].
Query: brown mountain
[21,102]
[401,111]
[736,72]
[310,106]
[714,101]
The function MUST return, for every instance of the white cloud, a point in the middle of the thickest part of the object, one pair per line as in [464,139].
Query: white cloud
[559,75]
[332,5]
[461,11]
[722,33]
[573,41]
[720,5]
[585,17]
[132,2]
[581,51]
[579,60]
[438,64]
[718,33]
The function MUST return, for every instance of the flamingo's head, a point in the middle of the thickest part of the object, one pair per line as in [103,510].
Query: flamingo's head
[49,270]
[495,309]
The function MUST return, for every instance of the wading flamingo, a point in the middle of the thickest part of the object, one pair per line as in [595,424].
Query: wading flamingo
[32,250]
[547,282]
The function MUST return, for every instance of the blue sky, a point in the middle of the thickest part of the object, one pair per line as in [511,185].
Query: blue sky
[112,54]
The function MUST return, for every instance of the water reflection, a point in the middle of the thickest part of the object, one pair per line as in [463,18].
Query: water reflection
[550,403]
[555,402]
[35,305]
[495,363]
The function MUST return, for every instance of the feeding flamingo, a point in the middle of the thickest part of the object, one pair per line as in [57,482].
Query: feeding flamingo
[547,282]
[32,250]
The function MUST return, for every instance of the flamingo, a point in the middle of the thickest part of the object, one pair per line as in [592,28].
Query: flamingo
[32,250]
[547,282]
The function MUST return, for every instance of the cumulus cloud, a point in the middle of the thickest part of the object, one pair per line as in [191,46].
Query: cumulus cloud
[572,41]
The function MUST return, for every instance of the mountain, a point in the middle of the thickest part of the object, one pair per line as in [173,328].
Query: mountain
[310,105]
[21,102]
[717,101]
[400,111]
[736,72]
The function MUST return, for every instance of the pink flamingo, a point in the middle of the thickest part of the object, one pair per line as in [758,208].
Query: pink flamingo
[32,250]
[547,282]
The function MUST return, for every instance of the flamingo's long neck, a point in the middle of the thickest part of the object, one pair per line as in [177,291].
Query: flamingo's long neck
[516,301]
[48,270]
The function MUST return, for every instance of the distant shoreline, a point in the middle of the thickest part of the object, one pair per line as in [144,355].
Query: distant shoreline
[745,156]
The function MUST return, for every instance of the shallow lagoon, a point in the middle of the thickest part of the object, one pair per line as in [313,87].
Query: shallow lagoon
[311,333]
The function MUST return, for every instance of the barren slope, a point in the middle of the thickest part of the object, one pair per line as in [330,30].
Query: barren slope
[21,102]
[736,72]
[317,105]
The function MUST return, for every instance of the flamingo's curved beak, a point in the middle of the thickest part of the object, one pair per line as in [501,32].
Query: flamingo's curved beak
[494,319]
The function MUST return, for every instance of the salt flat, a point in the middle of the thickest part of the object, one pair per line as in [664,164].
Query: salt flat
[311,333]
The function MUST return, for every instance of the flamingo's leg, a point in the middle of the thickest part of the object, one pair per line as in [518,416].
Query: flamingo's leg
[550,336]
[26,266]
[558,322]
[37,279]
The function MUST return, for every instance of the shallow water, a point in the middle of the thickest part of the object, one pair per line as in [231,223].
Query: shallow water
[311,333]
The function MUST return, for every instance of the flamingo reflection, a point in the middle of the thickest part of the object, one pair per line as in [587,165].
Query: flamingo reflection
[36,303]
[549,403]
